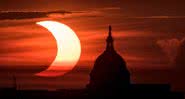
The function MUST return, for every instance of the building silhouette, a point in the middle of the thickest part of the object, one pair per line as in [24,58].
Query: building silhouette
[109,72]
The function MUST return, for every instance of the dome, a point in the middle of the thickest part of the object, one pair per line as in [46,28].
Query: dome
[109,69]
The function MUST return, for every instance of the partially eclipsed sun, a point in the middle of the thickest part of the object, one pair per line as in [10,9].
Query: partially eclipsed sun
[68,52]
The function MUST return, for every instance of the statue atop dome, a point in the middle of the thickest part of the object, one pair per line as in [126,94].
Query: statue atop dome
[110,40]
[109,71]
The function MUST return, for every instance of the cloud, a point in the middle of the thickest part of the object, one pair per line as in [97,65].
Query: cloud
[94,12]
[157,17]
[175,51]
[169,47]
[18,15]
[79,14]
[107,8]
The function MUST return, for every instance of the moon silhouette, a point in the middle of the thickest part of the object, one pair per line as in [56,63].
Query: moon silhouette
[68,49]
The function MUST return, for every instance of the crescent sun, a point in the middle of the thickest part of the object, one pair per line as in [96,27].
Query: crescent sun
[68,49]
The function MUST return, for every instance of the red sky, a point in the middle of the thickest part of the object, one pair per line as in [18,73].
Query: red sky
[147,34]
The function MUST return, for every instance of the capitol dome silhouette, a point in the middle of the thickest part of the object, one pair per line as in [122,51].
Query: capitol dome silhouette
[109,71]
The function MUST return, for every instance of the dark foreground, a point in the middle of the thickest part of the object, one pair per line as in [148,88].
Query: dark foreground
[135,91]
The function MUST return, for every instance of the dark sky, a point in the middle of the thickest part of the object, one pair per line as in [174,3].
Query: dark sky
[148,35]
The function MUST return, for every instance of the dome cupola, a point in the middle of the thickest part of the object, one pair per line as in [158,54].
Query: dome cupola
[109,69]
